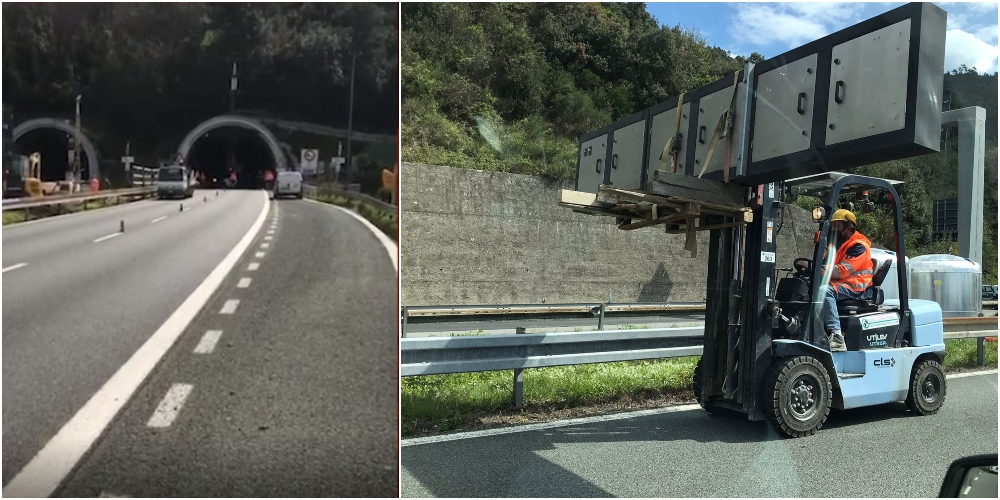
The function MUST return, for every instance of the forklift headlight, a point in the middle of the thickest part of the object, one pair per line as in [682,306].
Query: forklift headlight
[819,213]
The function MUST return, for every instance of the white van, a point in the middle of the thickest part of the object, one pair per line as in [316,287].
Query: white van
[173,181]
[288,184]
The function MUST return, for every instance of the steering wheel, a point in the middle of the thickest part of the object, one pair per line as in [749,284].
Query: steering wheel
[803,265]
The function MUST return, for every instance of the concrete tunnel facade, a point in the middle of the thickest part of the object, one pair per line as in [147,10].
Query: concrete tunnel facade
[86,145]
[280,159]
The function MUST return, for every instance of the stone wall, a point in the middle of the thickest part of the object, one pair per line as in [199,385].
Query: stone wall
[475,237]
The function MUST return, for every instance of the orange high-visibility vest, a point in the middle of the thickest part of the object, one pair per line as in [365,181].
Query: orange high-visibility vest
[854,273]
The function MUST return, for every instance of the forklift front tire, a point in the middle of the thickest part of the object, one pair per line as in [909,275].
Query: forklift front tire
[927,388]
[796,395]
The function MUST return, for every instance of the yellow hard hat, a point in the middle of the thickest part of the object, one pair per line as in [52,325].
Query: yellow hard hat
[844,215]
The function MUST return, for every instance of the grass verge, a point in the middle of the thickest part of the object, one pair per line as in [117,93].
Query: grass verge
[439,403]
[376,216]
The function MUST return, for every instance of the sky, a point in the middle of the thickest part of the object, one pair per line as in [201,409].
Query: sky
[774,28]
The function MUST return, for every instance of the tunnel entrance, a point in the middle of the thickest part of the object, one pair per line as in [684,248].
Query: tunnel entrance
[227,150]
[223,146]
[53,143]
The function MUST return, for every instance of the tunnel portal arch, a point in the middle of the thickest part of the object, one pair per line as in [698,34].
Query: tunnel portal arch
[91,151]
[223,121]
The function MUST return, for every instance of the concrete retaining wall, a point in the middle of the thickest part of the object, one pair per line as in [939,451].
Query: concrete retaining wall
[475,237]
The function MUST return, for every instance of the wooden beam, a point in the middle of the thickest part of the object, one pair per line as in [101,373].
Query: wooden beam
[687,213]
[690,182]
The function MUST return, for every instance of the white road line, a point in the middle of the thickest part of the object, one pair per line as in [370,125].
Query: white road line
[390,246]
[265,245]
[230,306]
[208,341]
[108,237]
[244,283]
[268,238]
[259,255]
[59,456]
[158,219]
[270,231]
[167,411]
[253,266]
[15,266]
[590,420]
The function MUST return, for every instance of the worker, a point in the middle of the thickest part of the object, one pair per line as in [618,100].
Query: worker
[268,178]
[851,277]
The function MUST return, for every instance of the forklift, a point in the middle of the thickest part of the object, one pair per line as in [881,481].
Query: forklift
[766,354]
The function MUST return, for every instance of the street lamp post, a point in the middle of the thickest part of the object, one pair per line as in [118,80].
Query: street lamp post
[350,116]
[76,146]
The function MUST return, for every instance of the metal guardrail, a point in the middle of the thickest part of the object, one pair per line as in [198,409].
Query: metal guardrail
[439,355]
[142,176]
[387,208]
[27,203]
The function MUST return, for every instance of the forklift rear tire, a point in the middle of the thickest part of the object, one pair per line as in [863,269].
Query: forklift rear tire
[796,395]
[696,387]
[927,388]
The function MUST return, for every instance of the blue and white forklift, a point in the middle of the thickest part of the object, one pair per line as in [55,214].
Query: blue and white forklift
[766,352]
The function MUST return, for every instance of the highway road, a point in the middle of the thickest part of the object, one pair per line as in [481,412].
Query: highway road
[683,451]
[239,347]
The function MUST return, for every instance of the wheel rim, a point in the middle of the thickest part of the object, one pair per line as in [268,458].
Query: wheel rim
[803,397]
[930,388]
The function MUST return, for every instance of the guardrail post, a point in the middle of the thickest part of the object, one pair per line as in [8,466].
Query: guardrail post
[519,379]
[405,316]
[981,351]
[600,319]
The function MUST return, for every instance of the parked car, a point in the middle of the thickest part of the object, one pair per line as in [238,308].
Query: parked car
[989,292]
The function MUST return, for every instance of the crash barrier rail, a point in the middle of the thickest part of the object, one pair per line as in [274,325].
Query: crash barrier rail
[140,176]
[450,314]
[389,209]
[445,314]
[440,355]
[28,203]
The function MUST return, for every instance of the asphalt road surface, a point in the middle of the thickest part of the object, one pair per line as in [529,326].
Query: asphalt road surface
[283,384]
[880,451]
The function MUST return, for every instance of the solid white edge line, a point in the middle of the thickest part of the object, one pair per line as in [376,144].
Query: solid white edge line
[244,283]
[229,307]
[15,266]
[47,469]
[166,412]
[108,237]
[208,341]
[545,425]
[589,420]
[390,246]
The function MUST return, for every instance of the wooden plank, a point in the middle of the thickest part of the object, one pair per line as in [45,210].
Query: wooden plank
[609,193]
[687,213]
[704,228]
[579,198]
[695,195]
[687,181]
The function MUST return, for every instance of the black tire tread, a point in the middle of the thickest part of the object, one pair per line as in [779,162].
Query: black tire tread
[911,399]
[771,394]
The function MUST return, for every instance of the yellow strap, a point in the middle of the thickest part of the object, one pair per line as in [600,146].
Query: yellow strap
[670,142]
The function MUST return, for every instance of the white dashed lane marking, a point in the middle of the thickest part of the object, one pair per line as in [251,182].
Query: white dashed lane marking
[108,237]
[158,219]
[253,266]
[244,283]
[208,341]
[15,266]
[230,306]
[260,255]
[167,411]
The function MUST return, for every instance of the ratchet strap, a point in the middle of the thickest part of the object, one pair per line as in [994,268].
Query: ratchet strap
[723,130]
[673,146]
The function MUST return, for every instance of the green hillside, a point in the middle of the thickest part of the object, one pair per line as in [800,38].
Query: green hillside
[510,87]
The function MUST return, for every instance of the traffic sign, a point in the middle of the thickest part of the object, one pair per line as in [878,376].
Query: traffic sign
[309,160]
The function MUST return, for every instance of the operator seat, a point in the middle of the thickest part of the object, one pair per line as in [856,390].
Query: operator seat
[855,306]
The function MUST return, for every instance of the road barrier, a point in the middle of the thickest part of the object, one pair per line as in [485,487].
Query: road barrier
[47,201]
[440,355]
[314,191]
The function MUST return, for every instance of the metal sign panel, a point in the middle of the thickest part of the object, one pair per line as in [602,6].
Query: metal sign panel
[866,94]
[309,161]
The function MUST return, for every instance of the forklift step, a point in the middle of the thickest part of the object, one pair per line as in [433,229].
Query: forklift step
[849,375]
